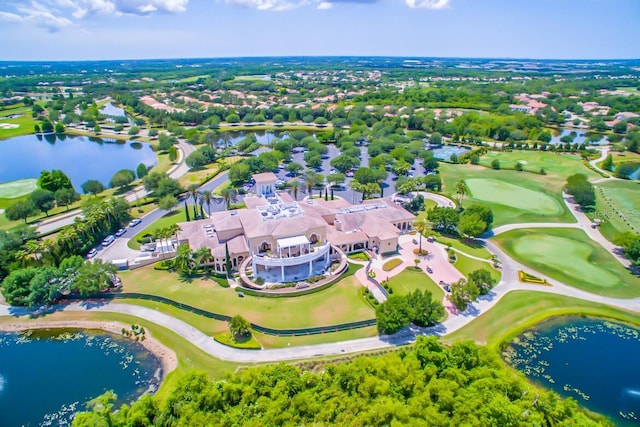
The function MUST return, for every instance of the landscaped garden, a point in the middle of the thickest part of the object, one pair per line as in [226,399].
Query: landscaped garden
[178,215]
[569,256]
[340,303]
[413,278]
[466,266]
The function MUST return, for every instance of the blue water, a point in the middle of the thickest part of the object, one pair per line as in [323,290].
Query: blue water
[81,158]
[446,151]
[111,110]
[592,361]
[581,137]
[48,376]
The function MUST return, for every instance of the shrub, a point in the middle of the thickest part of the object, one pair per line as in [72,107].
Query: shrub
[391,264]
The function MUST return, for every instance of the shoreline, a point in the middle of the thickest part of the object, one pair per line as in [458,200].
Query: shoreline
[167,357]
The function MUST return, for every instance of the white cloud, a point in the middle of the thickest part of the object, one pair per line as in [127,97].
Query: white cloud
[145,7]
[39,15]
[10,17]
[325,5]
[427,4]
[273,5]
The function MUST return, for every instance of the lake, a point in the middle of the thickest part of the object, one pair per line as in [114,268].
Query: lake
[80,157]
[47,376]
[591,360]
[111,110]
[581,137]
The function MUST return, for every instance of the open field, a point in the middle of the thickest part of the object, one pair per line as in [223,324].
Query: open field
[178,215]
[411,279]
[466,266]
[617,198]
[516,211]
[18,126]
[338,304]
[569,256]
[520,310]
[18,188]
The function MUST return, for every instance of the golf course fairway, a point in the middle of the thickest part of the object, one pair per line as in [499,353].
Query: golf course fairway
[514,196]
[569,256]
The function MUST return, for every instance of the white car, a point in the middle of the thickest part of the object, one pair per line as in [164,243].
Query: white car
[120,232]
[93,252]
[108,240]
[135,222]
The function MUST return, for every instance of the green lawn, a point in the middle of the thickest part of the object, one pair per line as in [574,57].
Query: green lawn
[178,215]
[467,246]
[615,198]
[568,255]
[18,188]
[513,196]
[411,279]
[24,123]
[337,304]
[272,341]
[514,206]
[520,310]
[557,166]
[466,266]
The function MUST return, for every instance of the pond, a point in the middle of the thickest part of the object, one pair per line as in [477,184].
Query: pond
[593,361]
[47,376]
[80,157]
[580,137]
[111,110]
[232,138]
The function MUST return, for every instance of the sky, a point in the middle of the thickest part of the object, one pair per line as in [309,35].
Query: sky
[139,29]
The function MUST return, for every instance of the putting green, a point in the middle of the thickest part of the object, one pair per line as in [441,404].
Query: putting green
[515,196]
[21,187]
[568,256]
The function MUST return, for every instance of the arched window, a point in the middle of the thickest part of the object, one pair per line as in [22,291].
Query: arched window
[314,238]
[264,247]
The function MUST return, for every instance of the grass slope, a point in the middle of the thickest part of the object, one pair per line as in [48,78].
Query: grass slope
[411,279]
[568,255]
[338,304]
[466,266]
[18,188]
[520,310]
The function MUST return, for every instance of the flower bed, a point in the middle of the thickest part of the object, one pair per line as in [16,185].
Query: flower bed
[391,264]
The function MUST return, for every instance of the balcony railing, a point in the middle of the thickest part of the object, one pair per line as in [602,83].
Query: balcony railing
[276,261]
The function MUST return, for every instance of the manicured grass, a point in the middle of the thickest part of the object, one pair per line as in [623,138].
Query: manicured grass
[227,339]
[360,256]
[547,185]
[18,188]
[471,247]
[189,356]
[391,264]
[556,166]
[520,310]
[178,215]
[411,279]
[622,157]
[25,122]
[620,197]
[569,256]
[513,196]
[466,266]
[272,341]
[338,304]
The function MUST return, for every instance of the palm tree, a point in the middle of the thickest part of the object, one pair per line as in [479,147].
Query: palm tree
[207,197]
[294,185]
[202,257]
[423,227]
[229,195]
[461,189]
[183,260]
[195,195]
[314,179]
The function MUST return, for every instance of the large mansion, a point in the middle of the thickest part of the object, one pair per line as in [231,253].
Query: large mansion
[284,240]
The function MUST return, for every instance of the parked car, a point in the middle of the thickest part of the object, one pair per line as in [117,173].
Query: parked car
[135,222]
[108,240]
[120,232]
[447,288]
[429,270]
[93,252]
